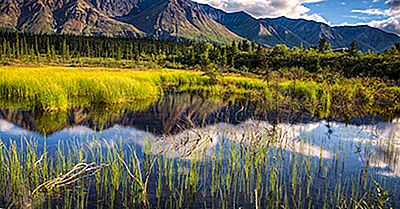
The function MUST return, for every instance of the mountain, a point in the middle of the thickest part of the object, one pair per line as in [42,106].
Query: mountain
[310,32]
[368,37]
[61,16]
[171,19]
[179,18]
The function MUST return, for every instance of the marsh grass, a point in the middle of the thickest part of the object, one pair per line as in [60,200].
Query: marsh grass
[252,170]
[59,88]
[53,88]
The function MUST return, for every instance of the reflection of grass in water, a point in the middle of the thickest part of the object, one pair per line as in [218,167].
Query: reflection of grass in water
[101,114]
[252,174]
[173,109]
[346,99]
[47,122]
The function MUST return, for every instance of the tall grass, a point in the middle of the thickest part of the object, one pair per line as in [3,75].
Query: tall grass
[55,88]
[250,170]
[59,87]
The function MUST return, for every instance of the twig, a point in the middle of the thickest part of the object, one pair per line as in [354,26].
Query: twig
[79,171]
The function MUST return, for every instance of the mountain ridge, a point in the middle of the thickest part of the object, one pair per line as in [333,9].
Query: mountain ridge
[166,19]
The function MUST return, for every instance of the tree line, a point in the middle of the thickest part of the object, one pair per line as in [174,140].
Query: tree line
[242,56]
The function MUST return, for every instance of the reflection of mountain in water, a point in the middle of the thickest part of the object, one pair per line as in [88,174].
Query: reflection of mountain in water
[173,114]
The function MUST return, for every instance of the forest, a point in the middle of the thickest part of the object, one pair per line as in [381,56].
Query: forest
[239,57]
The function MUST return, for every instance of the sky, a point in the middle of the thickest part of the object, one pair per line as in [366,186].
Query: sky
[384,14]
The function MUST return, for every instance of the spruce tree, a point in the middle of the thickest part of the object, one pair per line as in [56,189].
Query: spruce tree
[4,51]
[224,57]
[323,45]
[353,47]
[16,51]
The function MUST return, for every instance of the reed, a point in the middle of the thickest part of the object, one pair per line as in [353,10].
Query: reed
[247,171]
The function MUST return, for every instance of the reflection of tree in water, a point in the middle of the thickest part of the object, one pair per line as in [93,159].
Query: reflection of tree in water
[183,111]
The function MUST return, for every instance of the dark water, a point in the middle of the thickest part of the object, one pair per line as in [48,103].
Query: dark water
[343,148]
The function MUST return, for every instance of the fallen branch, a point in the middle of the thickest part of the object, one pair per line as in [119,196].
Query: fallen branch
[79,171]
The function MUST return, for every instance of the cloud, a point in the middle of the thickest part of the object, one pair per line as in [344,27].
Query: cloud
[268,8]
[372,12]
[391,24]
[392,14]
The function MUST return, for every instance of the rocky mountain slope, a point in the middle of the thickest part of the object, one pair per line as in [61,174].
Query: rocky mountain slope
[166,19]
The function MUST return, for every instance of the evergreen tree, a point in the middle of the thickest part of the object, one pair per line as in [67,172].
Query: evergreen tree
[246,46]
[9,50]
[65,51]
[224,61]
[205,59]
[37,53]
[253,46]
[353,47]
[53,52]
[119,53]
[323,45]
[4,50]
[16,51]
[192,56]
[234,48]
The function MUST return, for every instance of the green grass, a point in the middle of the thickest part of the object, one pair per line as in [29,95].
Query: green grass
[254,173]
[53,88]
[59,88]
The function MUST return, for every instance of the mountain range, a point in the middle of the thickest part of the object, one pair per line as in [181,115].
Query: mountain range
[179,19]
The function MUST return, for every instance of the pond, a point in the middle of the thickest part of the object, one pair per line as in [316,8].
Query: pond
[186,151]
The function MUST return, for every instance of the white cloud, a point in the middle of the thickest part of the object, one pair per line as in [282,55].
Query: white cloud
[392,21]
[391,24]
[268,8]
[372,12]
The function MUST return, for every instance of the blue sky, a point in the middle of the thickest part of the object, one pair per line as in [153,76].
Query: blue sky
[348,11]
[384,14]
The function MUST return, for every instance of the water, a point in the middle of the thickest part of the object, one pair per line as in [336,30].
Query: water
[338,150]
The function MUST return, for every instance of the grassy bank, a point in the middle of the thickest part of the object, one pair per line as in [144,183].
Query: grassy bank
[58,88]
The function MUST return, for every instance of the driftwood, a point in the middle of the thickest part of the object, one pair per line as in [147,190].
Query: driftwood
[79,171]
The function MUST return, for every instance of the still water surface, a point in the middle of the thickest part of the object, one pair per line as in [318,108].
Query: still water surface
[184,123]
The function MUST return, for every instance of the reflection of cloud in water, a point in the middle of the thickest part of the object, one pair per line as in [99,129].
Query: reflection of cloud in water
[377,144]
[255,132]
[79,130]
[11,129]
[386,154]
